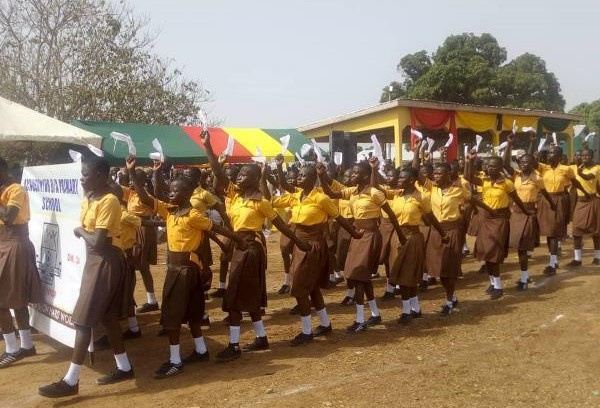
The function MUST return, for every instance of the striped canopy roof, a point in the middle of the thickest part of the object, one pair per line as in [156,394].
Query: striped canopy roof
[183,145]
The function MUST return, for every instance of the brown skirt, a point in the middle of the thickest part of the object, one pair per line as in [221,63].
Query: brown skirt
[286,245]
[183,292]
[226,255]
[524,229]
[309,270]
[19,279]
[491,243]
[341,248]
[363,253]
[386,229]
[407,261]
[553,223]
[585,217]
[145,250]
[473,224]
[445,259]
[247,286]
[104,292]
[205,252]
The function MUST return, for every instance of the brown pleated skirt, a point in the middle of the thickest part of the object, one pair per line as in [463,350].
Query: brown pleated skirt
[553,223]
[145,250]
[286,245]
[445,259]
[247,286]
[19,279]
[386,229]
[342,245]
[473,223]
[407,261]
[524,229]
[104,292]
[585,216]
[205,252]
[363,253]
[309,270]
[183,292]
[491,243]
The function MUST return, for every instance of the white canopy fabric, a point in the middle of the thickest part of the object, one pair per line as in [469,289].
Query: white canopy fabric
[19,123]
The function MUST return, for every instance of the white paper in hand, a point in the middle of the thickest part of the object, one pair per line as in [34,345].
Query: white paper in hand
[589,136]
[229,148]
[96,151]
[305,149]
[156,144]
[125,138]
[260,157]
[501,147]
[541,144]
[466,152]
[338,158]
[555,138]
[285,142]
[478,139]
[450,140]
[528,129]
[430,143]
[203,119]
[300,159]
[515,128]
[377,150]
[317,150]
[75,156]
[416,133]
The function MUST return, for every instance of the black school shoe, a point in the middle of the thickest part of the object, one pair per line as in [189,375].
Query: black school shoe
[489,289]
[446,310]
[218,293]
[574,264]
[230,353]
[259,343]
[147,307]
[102,343]
[549,270]
[387,296]
[168,369]
[115,376]
[128,334]
[284,289]
[356,327]
[295,310]
[405,318]
[196,357]
[373,321]
[496,294]
[322,330]
[522,286]
[347,301]
[301,339]
[58,389]
[416,315]
[423,286]
[8,359]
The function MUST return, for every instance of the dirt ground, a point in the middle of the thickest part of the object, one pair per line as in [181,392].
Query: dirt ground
[538,348]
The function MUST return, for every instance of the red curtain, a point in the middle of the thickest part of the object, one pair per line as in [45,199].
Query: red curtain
[436,119]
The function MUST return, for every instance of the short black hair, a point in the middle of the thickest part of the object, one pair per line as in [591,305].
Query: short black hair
[444,166]
[413,173]
[364,165]
[97,164]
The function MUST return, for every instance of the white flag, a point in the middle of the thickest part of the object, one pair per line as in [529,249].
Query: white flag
[229,148]
[501,147]
[589,136]
[541,144]
[478,139]
[317,150]
[285,142]
[416,133]
[555,138]
[75,156]
[338,157]
[96,151]
[515,128]
[450,140]
[528,129]
[430,143]
[125,138]
[156,144]
[300,159]
[377,148]
[260,157]
[203,119]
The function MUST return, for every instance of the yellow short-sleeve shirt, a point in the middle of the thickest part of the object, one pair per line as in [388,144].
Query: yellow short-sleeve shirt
[248,213]
[314,209]
[409,208]
[103,213]
[184,231]
[447,204]
[135,205]
[556,180]
[528,188]
[203,199]
[15,195]
[496,194]
[366,204]
[590,186]
[129,224]
[344,205]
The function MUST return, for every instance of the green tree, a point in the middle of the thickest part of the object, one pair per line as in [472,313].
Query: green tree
[91,60]
[469,68]
[591,114]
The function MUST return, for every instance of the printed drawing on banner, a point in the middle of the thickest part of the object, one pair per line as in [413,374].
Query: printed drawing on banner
[48,255]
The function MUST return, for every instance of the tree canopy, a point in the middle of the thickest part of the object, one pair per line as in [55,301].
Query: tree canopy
[90,60]
[591,114]
[469,68]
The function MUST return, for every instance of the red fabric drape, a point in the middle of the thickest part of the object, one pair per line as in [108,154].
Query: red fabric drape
[436,119]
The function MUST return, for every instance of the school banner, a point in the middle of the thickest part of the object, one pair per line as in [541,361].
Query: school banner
[55,196]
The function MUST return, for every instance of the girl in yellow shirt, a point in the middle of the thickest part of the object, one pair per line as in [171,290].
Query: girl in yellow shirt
[246,289]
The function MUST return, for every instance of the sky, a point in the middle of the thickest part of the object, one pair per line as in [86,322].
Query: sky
[284,64]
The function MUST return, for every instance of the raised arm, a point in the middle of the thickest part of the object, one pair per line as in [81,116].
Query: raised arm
[392,217]
[158,180]
[375,176]
[430,219]
[218,173]
[285,230]
[508,154]
[139,188]
[264,188]
[345,224]
[470,171]
[281,177]
[322,172]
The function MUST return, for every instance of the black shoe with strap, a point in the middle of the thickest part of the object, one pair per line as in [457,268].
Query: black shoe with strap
[405,318]
[58,389]
[115,376]
[522,286]
[496,294]
[574,264]
[415,314]
[301,339]
[357,327]
[295,310]
[230,353]
[347,301]
[373,321]
[196,357]
[322,330]
[423,286]
[259,343]
[446,310]
[549,270]
[284,289]
[168,369]
[147,307]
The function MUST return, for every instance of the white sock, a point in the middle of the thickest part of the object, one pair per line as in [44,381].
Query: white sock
[332,277]
[72,376]
[360,313]
[497,282]
[323,317]
[259,328]
[559,244]
[449,304]
[26,341]
[577,254]
[350,292]
[10,342]
[597,253]
[123,361]
[204,316]
[175,357]
[222,285]
[133,324]
[389,288]
[405,306]
[373,307]
[454,298]
[465,247]
[425,276]
[491,280]
[200,345]
[306,324]
[338,274]
[553,260]
[524,276]
[414,304]
[234,334]
[151,298]
[286,278]
[529,253]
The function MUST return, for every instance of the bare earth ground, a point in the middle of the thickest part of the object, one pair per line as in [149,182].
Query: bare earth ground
[538,348]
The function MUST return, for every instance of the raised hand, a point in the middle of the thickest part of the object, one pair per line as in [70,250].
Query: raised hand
[321,170]
[374,162]
[205,136]
[130,162]
[222,159]
[279,159]
[156,165]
